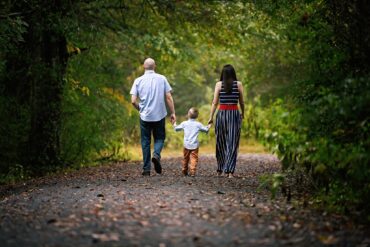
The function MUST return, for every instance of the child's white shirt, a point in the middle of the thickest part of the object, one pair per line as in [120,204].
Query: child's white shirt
[191,129]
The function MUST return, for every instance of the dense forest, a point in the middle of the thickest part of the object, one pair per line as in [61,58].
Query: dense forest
[66,69]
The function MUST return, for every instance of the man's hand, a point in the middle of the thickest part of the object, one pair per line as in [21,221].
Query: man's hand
[171,107]
[134,102]
[173,118]
[210,121]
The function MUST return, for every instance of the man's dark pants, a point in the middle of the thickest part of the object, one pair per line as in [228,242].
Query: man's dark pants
[159,134]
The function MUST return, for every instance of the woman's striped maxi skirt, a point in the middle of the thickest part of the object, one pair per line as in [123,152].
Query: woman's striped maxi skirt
[227,128]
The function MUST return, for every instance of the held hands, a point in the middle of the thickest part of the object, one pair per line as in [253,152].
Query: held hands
[210,121]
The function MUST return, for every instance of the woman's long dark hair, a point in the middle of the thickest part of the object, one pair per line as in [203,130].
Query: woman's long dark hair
[228,76]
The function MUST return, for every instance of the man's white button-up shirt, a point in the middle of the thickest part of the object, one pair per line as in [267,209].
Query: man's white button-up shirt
[151,88]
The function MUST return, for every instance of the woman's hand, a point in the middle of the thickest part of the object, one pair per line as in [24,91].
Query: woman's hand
[210,121]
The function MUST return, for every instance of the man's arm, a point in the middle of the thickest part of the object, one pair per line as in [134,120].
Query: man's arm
[171,105]
[134,102]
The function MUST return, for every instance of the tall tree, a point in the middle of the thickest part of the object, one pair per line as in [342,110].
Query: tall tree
[34,77]
[35,68]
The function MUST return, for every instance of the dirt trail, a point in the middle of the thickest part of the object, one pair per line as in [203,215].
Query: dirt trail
[115,206]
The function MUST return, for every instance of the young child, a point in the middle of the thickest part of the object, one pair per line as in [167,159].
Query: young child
[191,129]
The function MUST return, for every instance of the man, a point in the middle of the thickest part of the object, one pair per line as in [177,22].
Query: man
[154,91]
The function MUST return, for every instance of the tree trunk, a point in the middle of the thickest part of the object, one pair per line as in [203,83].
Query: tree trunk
[45,101]
[36,78]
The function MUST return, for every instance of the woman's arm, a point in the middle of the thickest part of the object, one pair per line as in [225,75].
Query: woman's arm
[215,101]
[241,98]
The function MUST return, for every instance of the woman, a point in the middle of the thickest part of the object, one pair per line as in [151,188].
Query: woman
[228,93]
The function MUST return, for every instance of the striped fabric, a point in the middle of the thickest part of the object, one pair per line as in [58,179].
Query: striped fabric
[227,128]
[232,98]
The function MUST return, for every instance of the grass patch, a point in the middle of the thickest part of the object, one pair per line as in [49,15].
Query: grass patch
[245,147]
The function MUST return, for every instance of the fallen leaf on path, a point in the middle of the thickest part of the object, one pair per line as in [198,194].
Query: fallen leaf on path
[98,208]
[105,237]
[297,225]
[144,223]
[283,218]
[328,240]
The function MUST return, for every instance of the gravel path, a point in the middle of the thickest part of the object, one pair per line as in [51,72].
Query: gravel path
[113,205]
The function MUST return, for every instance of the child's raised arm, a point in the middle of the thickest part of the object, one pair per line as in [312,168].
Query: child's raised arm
[178,127]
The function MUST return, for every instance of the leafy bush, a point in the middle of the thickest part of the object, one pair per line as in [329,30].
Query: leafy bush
[331,144]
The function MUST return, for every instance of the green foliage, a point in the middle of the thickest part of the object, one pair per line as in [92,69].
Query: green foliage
[15,174]
[95,124]
[281,130]
[319,118]
[272,182]
[338,168]
[13,133]
[12,30]
[304,66]
[98,121]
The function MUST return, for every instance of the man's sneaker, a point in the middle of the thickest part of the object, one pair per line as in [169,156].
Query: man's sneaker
[157,164]
[145,173]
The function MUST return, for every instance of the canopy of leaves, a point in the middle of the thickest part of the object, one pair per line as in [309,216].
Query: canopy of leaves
[304,65]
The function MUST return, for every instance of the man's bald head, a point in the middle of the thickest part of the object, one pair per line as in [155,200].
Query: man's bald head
[149,64]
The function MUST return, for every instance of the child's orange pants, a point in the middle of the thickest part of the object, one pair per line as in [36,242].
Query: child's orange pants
[192,156]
